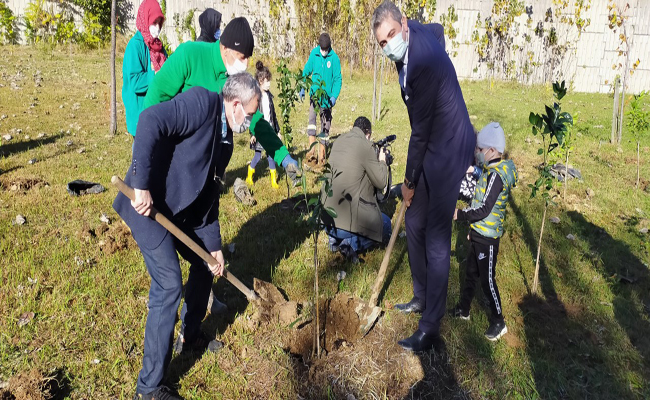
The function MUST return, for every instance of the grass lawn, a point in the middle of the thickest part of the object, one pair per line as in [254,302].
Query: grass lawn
[586,334]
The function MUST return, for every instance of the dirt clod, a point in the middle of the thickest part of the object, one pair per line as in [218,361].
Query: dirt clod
[30,385]
[22,184]
[342,320]
[117,238]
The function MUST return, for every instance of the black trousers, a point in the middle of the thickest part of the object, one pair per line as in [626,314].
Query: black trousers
[481,263]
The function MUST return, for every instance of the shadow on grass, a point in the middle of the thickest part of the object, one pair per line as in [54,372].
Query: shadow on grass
[567,360]
[439,381]
[11,149]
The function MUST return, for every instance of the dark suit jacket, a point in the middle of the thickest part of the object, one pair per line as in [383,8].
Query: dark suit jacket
[442,137]
[176,151]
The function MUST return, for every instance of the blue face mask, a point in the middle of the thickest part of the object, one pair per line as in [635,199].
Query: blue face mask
[480,159]
[217,34]
[396,48]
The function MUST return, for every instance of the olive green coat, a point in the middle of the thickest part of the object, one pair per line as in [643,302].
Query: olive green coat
[356,175]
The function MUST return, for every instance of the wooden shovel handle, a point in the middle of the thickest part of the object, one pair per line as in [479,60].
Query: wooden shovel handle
[180,235]
[384,264]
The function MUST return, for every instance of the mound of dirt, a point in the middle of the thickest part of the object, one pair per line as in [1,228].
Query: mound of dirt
[273,307]
[343,322]
[22,184]
[116,238]
[30,385]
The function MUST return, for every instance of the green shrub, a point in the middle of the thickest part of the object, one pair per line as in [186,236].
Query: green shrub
[8,26]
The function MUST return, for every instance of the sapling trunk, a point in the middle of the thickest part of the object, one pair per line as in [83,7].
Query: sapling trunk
[638,162]
[566,173]
[374,84]
[381,74]
[615,116]
[539,250]
[317,328]
[113,127]
[627,63]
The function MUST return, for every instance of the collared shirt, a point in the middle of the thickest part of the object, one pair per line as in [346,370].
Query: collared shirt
[224,124]
[403,71]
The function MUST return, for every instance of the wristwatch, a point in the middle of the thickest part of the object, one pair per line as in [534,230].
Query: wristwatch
[409,185]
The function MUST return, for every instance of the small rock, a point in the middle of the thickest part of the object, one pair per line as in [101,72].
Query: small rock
[68,143]
[570,237]
[529,140]
[76,106]
[639,211]
[96,361]
[555,220]
[32,161]
[402,234]
[473,117]
[79,260]
[25,318]
[26,137]
[231,247]
[3,116]
[590,192]
[104,218]
[81,150]
[61,106]
[643,230]
[7,137]
[340,275]
[20,220]
[32,281]
[14,188]
[40,136]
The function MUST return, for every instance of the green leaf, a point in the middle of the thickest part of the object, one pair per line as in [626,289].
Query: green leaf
[312,201]
[540,152]
[332,213]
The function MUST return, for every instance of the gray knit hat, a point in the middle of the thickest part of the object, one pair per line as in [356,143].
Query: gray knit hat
[492,136]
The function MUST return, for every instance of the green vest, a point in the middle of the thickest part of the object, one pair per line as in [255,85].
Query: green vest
[492,225]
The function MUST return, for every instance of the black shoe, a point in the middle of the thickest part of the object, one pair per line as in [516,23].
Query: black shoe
[497,329]
[162,393]
[198,345]
[420,341]
[413,306]
[349,253]
[458,312]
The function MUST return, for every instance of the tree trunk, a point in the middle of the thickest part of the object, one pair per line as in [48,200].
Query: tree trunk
[539,250]
[374,84]
[113,126]
[615,119]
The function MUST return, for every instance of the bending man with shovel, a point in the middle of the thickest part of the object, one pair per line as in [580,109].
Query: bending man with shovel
[175,155]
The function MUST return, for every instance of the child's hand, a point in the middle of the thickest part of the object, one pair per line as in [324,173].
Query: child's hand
[253,140]
[470,169]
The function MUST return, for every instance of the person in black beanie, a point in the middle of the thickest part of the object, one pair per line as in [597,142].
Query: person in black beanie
[210,23]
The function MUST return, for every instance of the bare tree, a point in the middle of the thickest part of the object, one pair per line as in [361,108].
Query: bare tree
[113,127]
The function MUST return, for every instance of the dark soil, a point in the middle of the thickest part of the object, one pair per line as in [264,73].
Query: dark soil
[22,184]
[116,238]
[30,385]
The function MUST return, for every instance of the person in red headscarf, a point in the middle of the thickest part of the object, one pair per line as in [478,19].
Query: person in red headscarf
[143,57]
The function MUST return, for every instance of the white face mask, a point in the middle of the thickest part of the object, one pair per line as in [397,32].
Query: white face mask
[240,128]
[236,67]
[266,86]
[154,30]
[324,53]
[396,48]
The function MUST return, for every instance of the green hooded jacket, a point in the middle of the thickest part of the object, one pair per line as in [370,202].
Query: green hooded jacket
[200,64]
[137,75]
[326,69]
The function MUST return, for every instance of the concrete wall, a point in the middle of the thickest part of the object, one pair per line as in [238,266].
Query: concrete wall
[586,64]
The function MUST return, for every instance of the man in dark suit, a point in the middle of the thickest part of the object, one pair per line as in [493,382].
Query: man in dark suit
[441,149]
[176,153]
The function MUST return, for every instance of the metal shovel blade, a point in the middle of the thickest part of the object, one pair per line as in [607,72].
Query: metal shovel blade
[367,318]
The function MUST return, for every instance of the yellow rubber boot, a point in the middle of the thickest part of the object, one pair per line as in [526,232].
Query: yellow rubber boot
[274,179]
[249,178]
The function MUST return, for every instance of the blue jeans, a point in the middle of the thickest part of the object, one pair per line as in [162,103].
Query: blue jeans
[358,243]
[164,297]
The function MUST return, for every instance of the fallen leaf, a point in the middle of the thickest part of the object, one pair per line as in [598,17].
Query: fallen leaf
[25,318]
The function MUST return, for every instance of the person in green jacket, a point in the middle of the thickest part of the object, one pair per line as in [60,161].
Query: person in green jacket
[208,65]
[143,57]
[324,66]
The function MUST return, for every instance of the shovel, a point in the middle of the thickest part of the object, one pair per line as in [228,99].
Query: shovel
[180,235]
[371,311]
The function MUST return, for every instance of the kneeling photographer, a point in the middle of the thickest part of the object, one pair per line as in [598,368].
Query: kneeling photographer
[359,170]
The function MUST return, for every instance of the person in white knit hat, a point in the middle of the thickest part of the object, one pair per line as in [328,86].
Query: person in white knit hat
[486,217]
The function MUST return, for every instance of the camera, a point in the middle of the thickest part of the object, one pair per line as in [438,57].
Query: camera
[385,145]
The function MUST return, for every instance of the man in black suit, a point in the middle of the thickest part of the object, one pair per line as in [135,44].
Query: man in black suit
[176,151]
[441,149]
